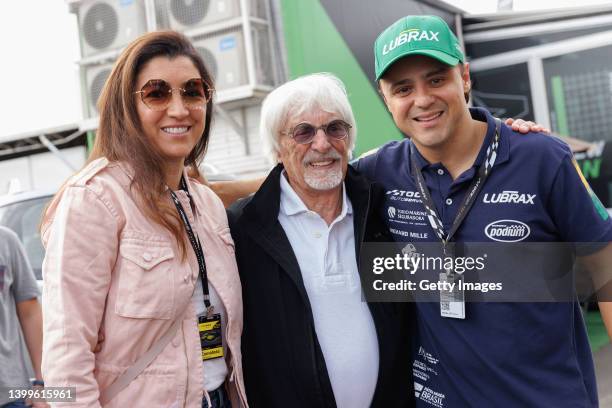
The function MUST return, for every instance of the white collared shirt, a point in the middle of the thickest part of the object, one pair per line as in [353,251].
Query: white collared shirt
[343,322]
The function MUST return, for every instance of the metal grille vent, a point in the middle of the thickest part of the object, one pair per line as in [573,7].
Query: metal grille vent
[95,89]
[189,12]
[100,25]
[209,60]
[263,57]
[258,9]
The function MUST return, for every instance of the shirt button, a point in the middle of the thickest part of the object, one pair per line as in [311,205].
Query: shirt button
[317,235]
[449,201]
[147,257]
[441,172]
[186,278]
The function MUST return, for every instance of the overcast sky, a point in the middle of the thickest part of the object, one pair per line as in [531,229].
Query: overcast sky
[40,49]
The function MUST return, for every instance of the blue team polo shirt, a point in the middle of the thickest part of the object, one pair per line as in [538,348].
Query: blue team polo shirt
[502,354]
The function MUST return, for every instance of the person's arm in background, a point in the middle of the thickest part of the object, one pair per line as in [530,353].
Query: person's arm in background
[29,312]
[231,191]
[605,308]
[30,318]
[599,266]
[228,191]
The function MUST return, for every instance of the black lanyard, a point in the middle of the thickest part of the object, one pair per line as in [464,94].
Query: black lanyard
[195,243]
[470,197]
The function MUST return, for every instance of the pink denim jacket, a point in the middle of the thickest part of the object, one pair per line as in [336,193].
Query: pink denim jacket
[109,268]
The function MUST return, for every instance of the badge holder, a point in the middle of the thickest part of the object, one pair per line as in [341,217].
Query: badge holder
[452,296]
[209,326]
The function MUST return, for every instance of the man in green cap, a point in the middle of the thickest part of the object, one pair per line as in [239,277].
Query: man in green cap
[462,178]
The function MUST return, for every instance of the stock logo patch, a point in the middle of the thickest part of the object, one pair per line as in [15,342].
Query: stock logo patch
[507,231]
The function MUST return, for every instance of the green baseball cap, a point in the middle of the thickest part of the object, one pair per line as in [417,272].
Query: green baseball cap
[416,35]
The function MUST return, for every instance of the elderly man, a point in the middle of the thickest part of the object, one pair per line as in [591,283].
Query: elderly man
[309,340]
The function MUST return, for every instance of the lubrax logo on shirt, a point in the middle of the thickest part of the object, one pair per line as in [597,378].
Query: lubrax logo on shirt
[508,197]
[412,34]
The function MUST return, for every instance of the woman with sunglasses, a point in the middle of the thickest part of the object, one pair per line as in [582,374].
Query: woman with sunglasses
[142,253]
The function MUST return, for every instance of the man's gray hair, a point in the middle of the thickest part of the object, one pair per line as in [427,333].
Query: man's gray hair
[321,91]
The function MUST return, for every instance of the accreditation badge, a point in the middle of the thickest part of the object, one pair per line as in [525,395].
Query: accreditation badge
[210,336]
[452,296]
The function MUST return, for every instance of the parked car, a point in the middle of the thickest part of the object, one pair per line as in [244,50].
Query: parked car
[22,213]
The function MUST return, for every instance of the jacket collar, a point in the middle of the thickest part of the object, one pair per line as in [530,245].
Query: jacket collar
[260,220]
[261,216]
[265,204]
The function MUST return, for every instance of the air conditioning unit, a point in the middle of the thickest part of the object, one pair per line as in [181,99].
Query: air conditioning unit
[258,9]
[95,78]
[262,49]
[187,14]
[224,56]
[109,24]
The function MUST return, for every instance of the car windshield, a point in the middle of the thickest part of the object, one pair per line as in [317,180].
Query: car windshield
[23,217]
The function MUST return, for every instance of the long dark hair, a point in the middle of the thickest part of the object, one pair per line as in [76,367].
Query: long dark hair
[120,136]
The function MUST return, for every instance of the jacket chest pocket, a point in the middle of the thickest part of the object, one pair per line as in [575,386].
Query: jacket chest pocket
[146,284]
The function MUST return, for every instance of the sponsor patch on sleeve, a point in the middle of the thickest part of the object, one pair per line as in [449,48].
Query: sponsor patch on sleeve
[601,210]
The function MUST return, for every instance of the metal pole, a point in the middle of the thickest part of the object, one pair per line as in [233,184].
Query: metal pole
[249,47]
[47,143]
